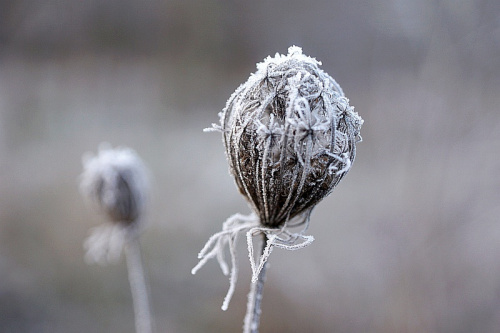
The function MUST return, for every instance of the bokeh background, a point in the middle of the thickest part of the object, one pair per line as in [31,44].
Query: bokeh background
[408,242]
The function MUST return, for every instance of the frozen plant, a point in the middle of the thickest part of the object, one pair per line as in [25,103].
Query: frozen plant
[290,136]
[116,182]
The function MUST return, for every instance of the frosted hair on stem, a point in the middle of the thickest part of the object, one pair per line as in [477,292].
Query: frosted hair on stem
[290,137]
[251,227]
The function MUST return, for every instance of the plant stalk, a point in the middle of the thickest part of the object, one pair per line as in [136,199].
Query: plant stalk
[138,287]
[252,317]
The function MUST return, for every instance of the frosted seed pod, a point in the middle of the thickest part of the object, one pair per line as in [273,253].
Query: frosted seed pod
[116,180]
[290,136]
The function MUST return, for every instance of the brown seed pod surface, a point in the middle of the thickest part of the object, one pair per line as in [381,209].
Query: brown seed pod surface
[290,136]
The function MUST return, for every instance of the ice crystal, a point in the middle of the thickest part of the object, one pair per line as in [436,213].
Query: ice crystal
[249,224]
[290,136]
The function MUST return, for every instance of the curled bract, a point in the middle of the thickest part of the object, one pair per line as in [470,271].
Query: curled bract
[290,136]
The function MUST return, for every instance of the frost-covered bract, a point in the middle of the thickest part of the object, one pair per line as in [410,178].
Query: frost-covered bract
[290,136]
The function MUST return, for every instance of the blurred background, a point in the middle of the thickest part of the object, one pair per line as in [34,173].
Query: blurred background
[408,242]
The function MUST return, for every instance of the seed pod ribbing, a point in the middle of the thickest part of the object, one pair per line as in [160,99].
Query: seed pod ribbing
[290,136]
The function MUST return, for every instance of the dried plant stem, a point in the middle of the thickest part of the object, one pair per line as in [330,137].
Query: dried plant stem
[252,317]
[138,287]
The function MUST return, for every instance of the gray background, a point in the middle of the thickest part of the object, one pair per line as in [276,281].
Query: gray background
[408,242]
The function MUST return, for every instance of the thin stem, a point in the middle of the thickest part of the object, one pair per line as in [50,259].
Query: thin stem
[252,317]
[138,287]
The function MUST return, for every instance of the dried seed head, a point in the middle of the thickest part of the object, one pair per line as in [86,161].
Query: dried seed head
[116,180]
[290,136]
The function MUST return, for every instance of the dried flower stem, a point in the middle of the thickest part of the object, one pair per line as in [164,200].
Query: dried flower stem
[252,317]
[290,136]
[138,287]
[116,180]
[250,225]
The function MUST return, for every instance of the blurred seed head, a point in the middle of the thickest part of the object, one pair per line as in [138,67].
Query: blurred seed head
[290,136]
[116,181]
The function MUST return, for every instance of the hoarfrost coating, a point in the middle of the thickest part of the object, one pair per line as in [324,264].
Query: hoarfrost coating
[290,136]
